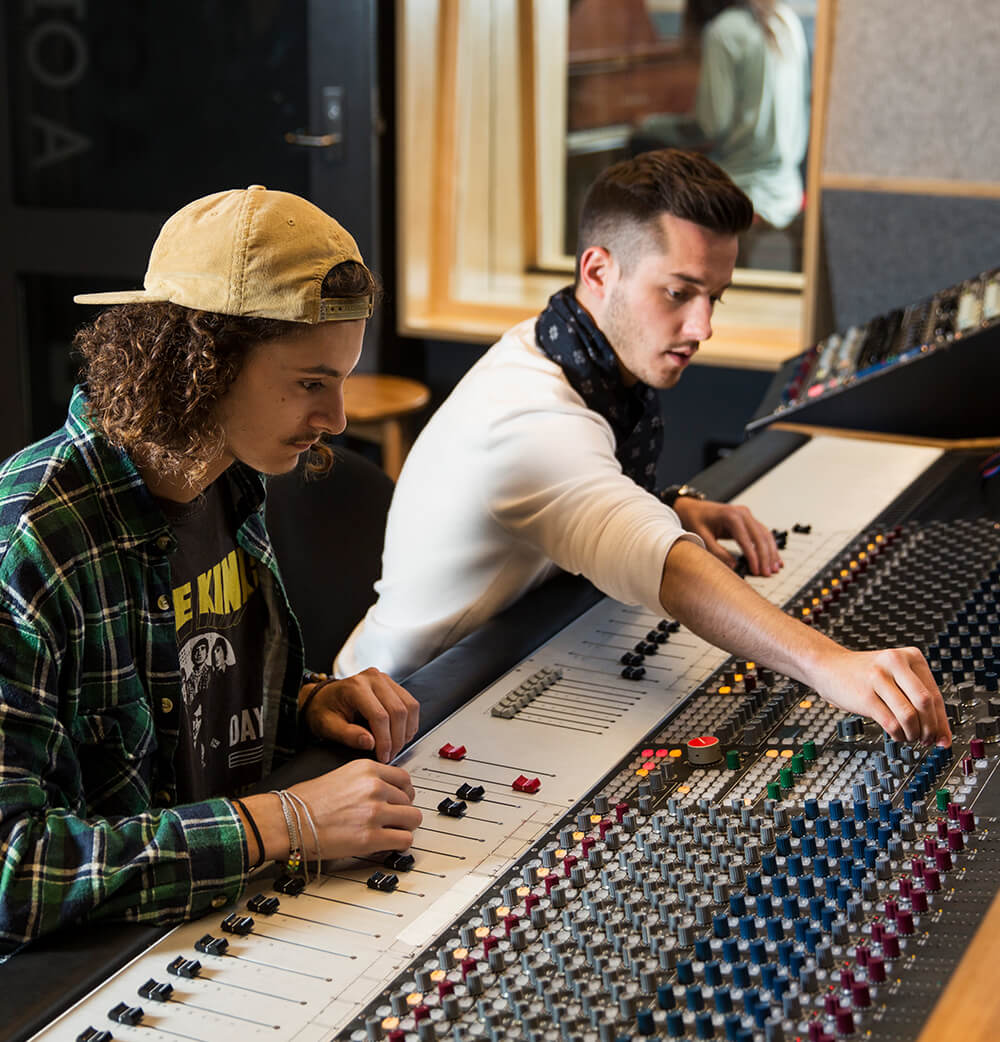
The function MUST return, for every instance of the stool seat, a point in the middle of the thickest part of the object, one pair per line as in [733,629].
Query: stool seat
[376,406]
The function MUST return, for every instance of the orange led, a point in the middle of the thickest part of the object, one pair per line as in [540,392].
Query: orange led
[577,836]
[414,998]
[683,789]
[460,954]
[738,677]
[675,753]
[642,772]
[542,872]
[560,854]
[771,753]
[751,666]
[595,819]
[438,975]
[805,704]
[484,931]
[390,1023]
[786,754]
[502,911]
[725,690]
[523,891]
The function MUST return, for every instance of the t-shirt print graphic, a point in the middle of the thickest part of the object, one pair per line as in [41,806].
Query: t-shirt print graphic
[208,669]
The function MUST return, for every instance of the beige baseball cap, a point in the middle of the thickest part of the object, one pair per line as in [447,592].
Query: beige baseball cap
[249,252]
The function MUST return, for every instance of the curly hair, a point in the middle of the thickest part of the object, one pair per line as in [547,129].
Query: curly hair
[155,373]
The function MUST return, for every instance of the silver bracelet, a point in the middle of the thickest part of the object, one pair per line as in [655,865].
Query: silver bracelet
[294,862]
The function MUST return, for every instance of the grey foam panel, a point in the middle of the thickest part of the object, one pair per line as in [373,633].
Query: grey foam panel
[912,90]
[887,250]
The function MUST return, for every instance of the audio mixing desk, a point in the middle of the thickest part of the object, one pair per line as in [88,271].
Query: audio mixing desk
[629,834]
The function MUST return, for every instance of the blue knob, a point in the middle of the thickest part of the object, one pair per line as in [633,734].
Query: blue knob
[723,1001]
[720,925]
[712,972]
[694,998]
[665,996]
[685,972]
[644,1022]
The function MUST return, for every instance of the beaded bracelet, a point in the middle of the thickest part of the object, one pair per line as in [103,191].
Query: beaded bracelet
[255,832]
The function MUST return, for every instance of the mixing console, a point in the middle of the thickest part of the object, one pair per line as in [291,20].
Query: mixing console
[847,359]
[631,836]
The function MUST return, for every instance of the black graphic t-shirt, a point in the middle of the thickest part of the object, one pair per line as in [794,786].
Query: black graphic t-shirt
[221,622]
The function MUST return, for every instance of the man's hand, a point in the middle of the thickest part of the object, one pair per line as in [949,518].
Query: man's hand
[894,687]
[359,809]
[715,521]
[391,712]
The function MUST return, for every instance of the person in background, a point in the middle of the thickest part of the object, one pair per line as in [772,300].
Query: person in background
[751,110]
[131,536]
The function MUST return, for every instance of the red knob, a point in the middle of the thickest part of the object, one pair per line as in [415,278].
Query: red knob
[904,923]
[876,969]
[861,954]
[956,843]
[844,1019]
[890,945]
[977,747]
[967,820]
[917,867]
[943,860]
[860,995]
[932,880]
[918,900]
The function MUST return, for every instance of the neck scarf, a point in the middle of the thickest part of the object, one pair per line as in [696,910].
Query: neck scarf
[567,334]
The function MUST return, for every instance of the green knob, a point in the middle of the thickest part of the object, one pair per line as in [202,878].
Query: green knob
[733,759]
[798,764]
[809,750]
[773,790]
[943,798]
[785,777]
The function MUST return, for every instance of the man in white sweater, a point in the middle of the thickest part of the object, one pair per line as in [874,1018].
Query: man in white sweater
[544,457]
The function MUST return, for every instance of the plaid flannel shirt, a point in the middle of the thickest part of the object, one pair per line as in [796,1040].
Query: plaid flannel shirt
[90,692]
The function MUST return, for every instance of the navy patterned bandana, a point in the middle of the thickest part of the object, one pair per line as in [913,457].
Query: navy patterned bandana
[567,334]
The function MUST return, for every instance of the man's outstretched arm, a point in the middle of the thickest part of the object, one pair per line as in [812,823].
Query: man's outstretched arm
[894,687]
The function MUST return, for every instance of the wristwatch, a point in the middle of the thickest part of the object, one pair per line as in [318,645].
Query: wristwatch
[672,493]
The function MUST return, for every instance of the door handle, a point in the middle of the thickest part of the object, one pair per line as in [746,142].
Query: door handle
[312,140]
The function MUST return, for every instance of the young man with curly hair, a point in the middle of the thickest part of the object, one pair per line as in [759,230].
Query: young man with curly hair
[544,457]
[132,539]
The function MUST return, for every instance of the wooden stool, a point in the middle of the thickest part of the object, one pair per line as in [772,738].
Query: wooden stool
[377,406]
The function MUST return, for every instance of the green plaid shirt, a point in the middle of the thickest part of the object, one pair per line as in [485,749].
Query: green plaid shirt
[90,691]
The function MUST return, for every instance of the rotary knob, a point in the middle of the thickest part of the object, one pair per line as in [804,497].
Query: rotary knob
[704,749]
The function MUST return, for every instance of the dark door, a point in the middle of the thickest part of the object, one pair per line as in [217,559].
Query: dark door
[120,111]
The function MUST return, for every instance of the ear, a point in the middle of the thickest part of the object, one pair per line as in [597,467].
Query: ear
[598,270]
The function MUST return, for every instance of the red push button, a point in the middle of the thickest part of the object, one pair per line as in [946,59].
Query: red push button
[452,752]
[523,784]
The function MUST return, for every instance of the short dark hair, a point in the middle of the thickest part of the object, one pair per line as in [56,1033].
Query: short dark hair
[155,372]
[698,13]
[622,204]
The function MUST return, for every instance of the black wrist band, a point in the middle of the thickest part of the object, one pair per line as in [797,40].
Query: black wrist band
[321,680]
[255,831]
